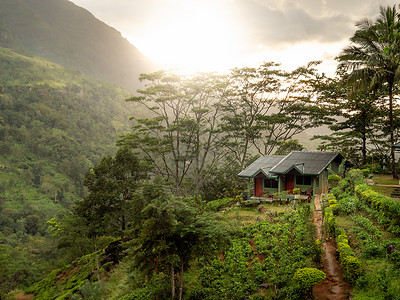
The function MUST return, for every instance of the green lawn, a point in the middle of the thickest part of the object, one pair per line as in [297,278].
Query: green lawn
[387,191]
[385,179]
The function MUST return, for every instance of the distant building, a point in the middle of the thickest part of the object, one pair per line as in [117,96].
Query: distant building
[299,169]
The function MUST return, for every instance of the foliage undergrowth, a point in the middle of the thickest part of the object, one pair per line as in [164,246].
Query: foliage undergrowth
[368,222]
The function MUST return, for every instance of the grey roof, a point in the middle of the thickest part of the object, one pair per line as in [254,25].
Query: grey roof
[396,146]
[307,163]
[262,164]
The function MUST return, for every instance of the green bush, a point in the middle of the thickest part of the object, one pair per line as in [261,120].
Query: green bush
[89,290]
[351,268]
[388,208]
[351,265]
[373,250]
[395,258]
[296,191]
[366,172]
[332,201]
[348,204]
[319,251]
[217,205]
[158,287]
[356,177]
[333,180]
[330,221]
[308,277]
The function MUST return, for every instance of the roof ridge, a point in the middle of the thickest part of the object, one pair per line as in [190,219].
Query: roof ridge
[298,151]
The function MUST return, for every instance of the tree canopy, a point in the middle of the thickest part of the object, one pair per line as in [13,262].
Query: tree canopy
[372,60]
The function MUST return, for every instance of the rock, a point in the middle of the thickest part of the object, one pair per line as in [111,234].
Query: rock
[264,286]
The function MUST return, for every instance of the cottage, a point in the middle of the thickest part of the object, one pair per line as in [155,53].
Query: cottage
[307,171]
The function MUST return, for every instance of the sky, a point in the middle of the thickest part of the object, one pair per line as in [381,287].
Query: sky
[218,35]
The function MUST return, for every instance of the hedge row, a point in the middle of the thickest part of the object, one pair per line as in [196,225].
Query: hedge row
[350,263]
[388,207]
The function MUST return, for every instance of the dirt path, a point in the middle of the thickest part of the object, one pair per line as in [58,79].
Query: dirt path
[333,287]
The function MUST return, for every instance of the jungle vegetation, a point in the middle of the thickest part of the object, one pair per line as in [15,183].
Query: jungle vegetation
[102,197]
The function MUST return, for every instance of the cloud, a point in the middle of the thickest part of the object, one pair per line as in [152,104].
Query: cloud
[286,23]
[262,28]
[265,23]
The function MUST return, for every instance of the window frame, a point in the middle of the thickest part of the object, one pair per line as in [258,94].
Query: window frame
[301,180]
[271,186]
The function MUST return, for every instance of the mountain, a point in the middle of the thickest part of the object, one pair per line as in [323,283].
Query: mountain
[55,124]
[66,34]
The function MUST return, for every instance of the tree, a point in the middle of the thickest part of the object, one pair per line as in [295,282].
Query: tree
[288,146]
[222,181]
[111,184]
[356,113]
[372,61]
[170,231]
[180,136]
[266,106]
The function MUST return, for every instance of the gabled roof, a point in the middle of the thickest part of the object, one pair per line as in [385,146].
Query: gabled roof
[262,164]
[307,163]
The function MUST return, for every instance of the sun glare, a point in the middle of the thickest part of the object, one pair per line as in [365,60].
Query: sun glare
[199,36]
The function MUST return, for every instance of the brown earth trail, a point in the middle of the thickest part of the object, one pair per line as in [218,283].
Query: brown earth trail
[334,287]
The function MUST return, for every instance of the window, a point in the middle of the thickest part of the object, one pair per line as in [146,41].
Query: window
[303,180]
[270,183]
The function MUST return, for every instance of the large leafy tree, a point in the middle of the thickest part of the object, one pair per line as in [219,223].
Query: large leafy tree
[168,232]
[180,135]
[266,107]
[356,113]
[111,184]
[373,59]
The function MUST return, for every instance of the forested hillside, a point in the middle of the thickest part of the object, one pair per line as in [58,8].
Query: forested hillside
[102,198]
[69,35]
[54,125]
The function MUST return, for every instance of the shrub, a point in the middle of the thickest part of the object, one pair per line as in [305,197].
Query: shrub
[219,204]
[395,258]
[332,201]
[351,268]
[333,180]
[350,263]
[366,172]
[89,290]
[373,250]
[356,177]
[319,250]
[388,208]
[330,221]
[348,204]
[308,277]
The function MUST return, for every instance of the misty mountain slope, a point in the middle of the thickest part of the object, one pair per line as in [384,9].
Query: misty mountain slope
[55,124]
[69,35]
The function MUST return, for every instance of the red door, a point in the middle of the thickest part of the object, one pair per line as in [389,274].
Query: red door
[289,182]
[258,186]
